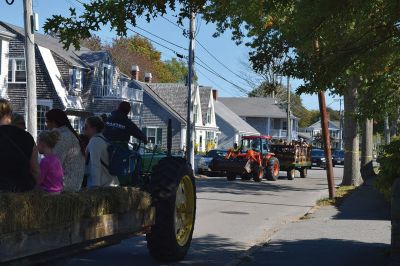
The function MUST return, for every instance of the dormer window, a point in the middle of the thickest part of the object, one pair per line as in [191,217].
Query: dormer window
[107,76]
[16,70]
[195,111]
[209,116]
[75,79]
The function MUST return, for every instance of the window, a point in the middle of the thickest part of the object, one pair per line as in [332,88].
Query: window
[195,110]
[209,135]
[41,117]
[16,70]
[107,76]
[75,79]
[75,123]
[154,135]
[284,125]
[209,116]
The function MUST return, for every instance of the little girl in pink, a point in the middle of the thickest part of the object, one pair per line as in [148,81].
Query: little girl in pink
[51,172]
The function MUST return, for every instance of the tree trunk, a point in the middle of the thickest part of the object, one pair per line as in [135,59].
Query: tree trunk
[367,168]
[351,175]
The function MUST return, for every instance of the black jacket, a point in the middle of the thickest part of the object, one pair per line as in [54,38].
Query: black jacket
[120,128]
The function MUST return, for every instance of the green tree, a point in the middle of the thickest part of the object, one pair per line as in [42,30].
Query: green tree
[178,69]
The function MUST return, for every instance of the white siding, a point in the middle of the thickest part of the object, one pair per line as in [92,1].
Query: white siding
[3,68]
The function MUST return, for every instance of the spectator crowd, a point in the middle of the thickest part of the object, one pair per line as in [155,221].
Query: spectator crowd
[60,159]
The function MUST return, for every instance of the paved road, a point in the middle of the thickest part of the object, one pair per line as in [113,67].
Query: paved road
[231,217]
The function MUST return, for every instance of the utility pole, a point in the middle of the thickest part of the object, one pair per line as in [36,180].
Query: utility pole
[341,124]
[189,118]
[325,135]
[30,68]
[289,126]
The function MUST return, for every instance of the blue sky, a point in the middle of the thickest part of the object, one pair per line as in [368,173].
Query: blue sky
[223,48]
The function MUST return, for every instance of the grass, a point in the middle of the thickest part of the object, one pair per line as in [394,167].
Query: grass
[341,193]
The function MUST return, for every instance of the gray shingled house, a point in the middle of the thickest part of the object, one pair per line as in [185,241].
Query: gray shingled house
[231,126]
[82,83]
[162,101]
[264,114]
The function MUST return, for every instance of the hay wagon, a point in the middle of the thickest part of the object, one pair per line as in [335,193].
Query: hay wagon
[36,227]
[292,158]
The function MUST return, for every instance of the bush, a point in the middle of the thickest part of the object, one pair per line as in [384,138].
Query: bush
[389,161]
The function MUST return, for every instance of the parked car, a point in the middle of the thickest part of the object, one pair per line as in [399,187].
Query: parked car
[206,161]
[338,157]
[318,158]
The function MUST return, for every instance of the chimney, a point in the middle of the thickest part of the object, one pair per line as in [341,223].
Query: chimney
[135,72]
[215,94]
[148,77]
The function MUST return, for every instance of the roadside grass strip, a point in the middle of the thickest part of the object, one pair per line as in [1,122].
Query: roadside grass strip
[341,193]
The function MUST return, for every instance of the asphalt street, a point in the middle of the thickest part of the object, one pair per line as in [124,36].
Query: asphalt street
[231,218]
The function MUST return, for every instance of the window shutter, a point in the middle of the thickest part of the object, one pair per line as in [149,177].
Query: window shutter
[144,130]
[159,136]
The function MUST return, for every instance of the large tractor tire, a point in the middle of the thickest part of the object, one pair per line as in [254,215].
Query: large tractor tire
[257,173]
[272,169]
[173,193]
[303,172]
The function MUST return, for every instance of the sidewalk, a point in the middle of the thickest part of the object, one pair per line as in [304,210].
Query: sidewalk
[356,233]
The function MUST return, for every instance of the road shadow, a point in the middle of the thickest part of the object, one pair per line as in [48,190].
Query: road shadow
[238,187]
[365,203]
[207,250]
[324,251]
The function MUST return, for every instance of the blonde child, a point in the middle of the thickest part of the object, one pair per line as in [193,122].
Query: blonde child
[51,172]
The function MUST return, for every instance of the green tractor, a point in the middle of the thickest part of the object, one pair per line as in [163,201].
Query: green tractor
[36,227]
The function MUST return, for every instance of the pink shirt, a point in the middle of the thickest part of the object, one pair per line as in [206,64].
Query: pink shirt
[51,174]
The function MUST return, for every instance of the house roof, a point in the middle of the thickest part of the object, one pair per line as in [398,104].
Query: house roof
[233,119]
[50,43]
[332,125]
[173,94]
[149,89]
[205,95]
[5,34]
[254,107]
[92,57]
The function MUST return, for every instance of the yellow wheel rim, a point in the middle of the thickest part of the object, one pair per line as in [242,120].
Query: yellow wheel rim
[184,210]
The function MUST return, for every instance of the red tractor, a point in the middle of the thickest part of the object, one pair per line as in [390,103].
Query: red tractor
[252,159]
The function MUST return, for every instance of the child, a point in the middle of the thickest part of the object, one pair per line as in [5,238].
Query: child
[51,172]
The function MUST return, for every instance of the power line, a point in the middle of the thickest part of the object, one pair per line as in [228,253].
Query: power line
[161,38]
[216,59]
[223,78]
[175,24]
[215,84]
[209,69]
[162,45]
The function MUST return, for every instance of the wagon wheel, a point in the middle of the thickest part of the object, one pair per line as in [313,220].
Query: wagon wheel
[303,172]
[291,174]
[173,192]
